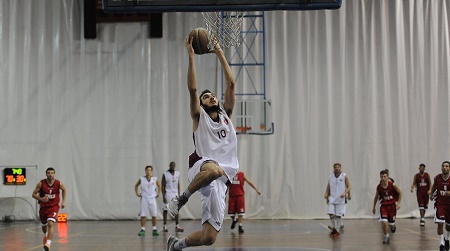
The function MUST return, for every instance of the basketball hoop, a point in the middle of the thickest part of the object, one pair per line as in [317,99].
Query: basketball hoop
[224,27]
[243,129]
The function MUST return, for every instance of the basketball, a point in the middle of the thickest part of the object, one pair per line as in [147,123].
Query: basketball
[200,40]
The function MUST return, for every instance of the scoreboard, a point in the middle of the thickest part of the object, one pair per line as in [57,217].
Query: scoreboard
[14,176]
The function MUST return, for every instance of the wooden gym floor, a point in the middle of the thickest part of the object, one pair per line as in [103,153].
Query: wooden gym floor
[264,235]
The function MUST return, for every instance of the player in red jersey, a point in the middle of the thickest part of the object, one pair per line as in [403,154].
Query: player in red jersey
[390,197]
[422,183]
[47,192]
[236,199]
[440,190]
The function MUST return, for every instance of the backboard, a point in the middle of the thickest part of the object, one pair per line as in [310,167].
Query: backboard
[253,117]
[148,6]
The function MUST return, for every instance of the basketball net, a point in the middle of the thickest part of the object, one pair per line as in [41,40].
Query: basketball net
[224,27]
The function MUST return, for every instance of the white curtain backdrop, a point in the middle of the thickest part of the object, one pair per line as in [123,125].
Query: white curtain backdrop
[366,85]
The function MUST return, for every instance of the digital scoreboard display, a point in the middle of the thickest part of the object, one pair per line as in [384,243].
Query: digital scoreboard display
[14,176]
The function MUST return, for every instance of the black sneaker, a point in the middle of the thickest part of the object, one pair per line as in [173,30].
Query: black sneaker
[447,245]
[441,248]
[233,225]
[386,240]
[241,230]
[393,228]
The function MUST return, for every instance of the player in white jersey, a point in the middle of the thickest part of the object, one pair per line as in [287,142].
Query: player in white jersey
[338,188]
[214,162]
[150,190]
[170,184]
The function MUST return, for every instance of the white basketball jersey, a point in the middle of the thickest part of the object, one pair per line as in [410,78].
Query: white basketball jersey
[149,188]
[337,187]
[217,141]
[172,181]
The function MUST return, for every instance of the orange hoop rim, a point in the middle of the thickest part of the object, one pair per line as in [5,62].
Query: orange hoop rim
[243,129]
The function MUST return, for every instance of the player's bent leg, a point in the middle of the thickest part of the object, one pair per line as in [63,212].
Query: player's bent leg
[207,236]
[209,171]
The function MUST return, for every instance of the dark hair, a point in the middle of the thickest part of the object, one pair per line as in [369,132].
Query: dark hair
[445,162]
[422,165]
[337,164]
[148,167]
[385,171]
[50,169]
[203,93]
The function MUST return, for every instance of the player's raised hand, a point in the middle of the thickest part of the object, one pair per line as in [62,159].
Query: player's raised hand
[188,44]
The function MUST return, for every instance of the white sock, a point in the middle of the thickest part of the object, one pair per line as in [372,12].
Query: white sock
[441,239]
[338,222]
[143,228]
[180,244]
[187,193]
[154,228]
[49,242]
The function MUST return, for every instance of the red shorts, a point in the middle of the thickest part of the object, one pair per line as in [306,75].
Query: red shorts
[48,214]
[422,199]
[236,204]
[442,213]
[388,212]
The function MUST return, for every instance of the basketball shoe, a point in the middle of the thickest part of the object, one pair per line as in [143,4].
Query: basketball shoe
[233,225]
[334,233]
[386,240]
[47,247]
[175,205]
[179,229]
[141,233]
[171,243]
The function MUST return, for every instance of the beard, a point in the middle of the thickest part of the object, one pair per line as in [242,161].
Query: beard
[214,108]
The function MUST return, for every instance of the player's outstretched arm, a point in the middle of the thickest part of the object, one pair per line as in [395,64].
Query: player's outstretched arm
[229,98]
[192,83]
[251,184]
